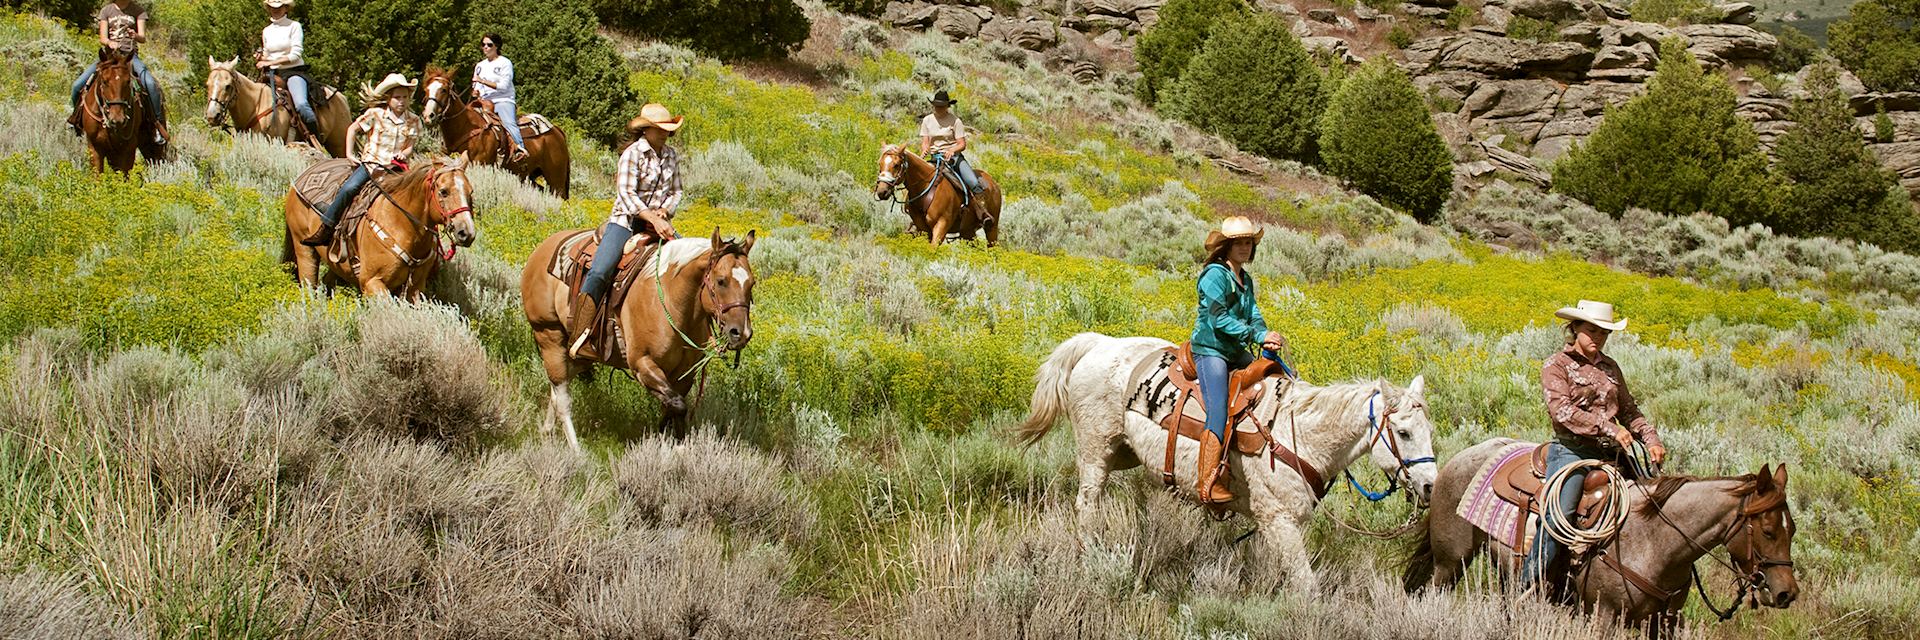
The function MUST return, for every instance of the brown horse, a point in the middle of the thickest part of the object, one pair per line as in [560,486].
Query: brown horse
[693,293]
[933,201]
[249,105]
[398,245]
[470,128]
[114,118]
[1671,523]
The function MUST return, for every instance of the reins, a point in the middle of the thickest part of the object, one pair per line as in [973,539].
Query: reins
[1382,428]
[708,353]
[1745,582]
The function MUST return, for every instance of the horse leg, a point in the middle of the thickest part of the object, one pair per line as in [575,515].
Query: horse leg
[993,232]
[939,232]
[376,287]
[1093,486]
[673,405]
[1283,544]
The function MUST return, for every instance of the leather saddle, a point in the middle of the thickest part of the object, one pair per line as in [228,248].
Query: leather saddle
[319,184]
[575,258]
[317,96]
[1521,479]
[1244,388]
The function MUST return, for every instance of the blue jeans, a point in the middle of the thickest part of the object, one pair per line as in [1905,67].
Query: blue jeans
[348,189]
[1213,372]
[155,102]
[510,120]
[1545,548]
[965,169]
[297,89]
[613,242]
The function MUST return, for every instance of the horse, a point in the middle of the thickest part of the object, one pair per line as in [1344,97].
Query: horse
[397,247]
[692,291]
[113,116]
[1091,378]
[1671,522]
[466,127]
[934,200]
[250,105]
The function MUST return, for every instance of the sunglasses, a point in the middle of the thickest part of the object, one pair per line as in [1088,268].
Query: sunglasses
[488,44]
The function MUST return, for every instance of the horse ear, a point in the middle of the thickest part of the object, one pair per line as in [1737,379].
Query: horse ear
[460,160]
[1419,386]
[746,246]
[1780,477]
[234,61]
[211,63]
[1763,481]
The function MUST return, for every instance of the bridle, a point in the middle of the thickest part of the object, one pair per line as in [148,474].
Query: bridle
[101,103]
[442,249]
[1746,581]
[895,183]
[708,352]
[1383,432]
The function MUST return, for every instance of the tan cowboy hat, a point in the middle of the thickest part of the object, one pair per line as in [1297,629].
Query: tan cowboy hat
[391,82]
[277,3]
[1599,314]
[654,114]
[1231,229]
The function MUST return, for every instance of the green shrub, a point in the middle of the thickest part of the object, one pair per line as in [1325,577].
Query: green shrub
[79,13]
[1698,11]
[561,66]
[1796,50]
[1459,17]
[1377,136]
[863,8]
[1254,84]
[349,43]
[1882,125]
[1678,148]
[1833,182]
[1400,36]
[728,29]
[1525,28]
[1165,49]
[1879,41]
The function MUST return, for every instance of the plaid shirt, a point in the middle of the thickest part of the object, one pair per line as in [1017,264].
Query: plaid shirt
[387,134]
[1586,398]
[645,179]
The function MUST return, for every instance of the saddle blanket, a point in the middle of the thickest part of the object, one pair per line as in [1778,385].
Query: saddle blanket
[1155,396]
[317,187]
[534,124]
[1487,510]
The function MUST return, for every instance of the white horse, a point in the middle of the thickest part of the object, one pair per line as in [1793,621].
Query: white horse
[1091,378]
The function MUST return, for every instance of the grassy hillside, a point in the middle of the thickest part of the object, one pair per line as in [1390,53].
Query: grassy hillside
[194,447]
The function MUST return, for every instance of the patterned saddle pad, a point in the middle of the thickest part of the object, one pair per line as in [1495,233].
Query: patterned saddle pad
[317,186]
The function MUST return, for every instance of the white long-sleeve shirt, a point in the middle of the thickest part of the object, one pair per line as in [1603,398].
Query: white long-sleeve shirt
[283,43]
[498,71]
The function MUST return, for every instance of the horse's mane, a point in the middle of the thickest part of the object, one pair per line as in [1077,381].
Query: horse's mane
[1306,402]
[1749,485]
[684,250]
[415,174]
[433,72]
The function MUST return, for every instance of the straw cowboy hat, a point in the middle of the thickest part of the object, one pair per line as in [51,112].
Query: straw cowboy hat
[1599,314]
[654,114]
[391,82]
[1231,229]
[941,99]
[277,3]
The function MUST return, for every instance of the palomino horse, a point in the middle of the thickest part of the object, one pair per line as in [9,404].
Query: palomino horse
[113,116]
[694,292]
[397,247]
[1090,377]
[233,96]
[934,202]
[1671,523]
[465,128]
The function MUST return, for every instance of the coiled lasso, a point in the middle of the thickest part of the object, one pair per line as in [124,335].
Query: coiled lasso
[1559,524]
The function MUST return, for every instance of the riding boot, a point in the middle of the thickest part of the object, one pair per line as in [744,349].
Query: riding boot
[160,135]
[1212,472]
[580,326]
[73,122]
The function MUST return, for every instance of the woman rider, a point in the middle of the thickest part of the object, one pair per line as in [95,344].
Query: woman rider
[646,190]
[282,54]
[391,130]
[1228,323]
[1593,415]
[123,26]
[493,82]
[943,135]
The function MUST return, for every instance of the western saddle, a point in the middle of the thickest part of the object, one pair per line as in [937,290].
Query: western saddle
[1520,480]
[1244,389]
[571,263]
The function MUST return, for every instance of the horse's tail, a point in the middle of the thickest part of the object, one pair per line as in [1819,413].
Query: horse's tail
[1419,569]
[1050,386]
[286,244]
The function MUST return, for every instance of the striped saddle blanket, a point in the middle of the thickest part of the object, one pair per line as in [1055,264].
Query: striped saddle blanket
[1492,513]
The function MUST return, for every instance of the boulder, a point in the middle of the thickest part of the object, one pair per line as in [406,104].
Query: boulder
[1300,28]
[1452,86]
[1328,16]
[1495,17]
[1736,13]
[1762,109]
[1332,46]
[1517,164]
[1425,52]
[1493,57]
[1729,42]
[1552,57]
[1549,10]
[1365,13]
[1529,100]
[1626,33]
[1430,13]
[1593,98]
[1028,33]
[1904,159]
[1620,75]
[1585,33]
[911,15]
[985,13]
[1867,104]
[1639,55]
[1444,4]
[1122,8]
[1613,11]
[957,22]
[1101,23]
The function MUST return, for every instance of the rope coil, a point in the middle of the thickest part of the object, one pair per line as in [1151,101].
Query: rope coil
[1559,524]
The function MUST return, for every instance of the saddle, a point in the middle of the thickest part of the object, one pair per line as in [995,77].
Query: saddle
[319,184]
[532,125]
[318,94]
[1174,387]
[1520,480]
[571,263]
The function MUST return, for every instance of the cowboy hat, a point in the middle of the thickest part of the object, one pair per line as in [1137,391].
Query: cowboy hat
[1231,229]
[941,99]
[654,114]
[277,3]
[1599,314]
[391,82]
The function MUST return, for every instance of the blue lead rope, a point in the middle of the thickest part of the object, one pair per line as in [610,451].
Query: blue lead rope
[1392,484]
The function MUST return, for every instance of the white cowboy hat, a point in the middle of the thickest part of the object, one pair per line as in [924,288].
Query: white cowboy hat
[277,3]
[391,82]
[654,114]
[1231,229]
[1599,314]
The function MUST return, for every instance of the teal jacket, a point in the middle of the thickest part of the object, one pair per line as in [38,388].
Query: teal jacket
[1228,320]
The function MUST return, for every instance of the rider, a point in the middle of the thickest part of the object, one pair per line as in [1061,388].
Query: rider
[282,54]
[646,191]
[493,82]
[123,26]
[391,130]
[1593,415]
[942,134]
[1228,322]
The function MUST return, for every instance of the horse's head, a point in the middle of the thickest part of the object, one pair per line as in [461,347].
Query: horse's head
[451,198]
[893,169]
[1762,543]
[220,90]
[1402,438]
[728,290]
[114,89]
[437,89]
